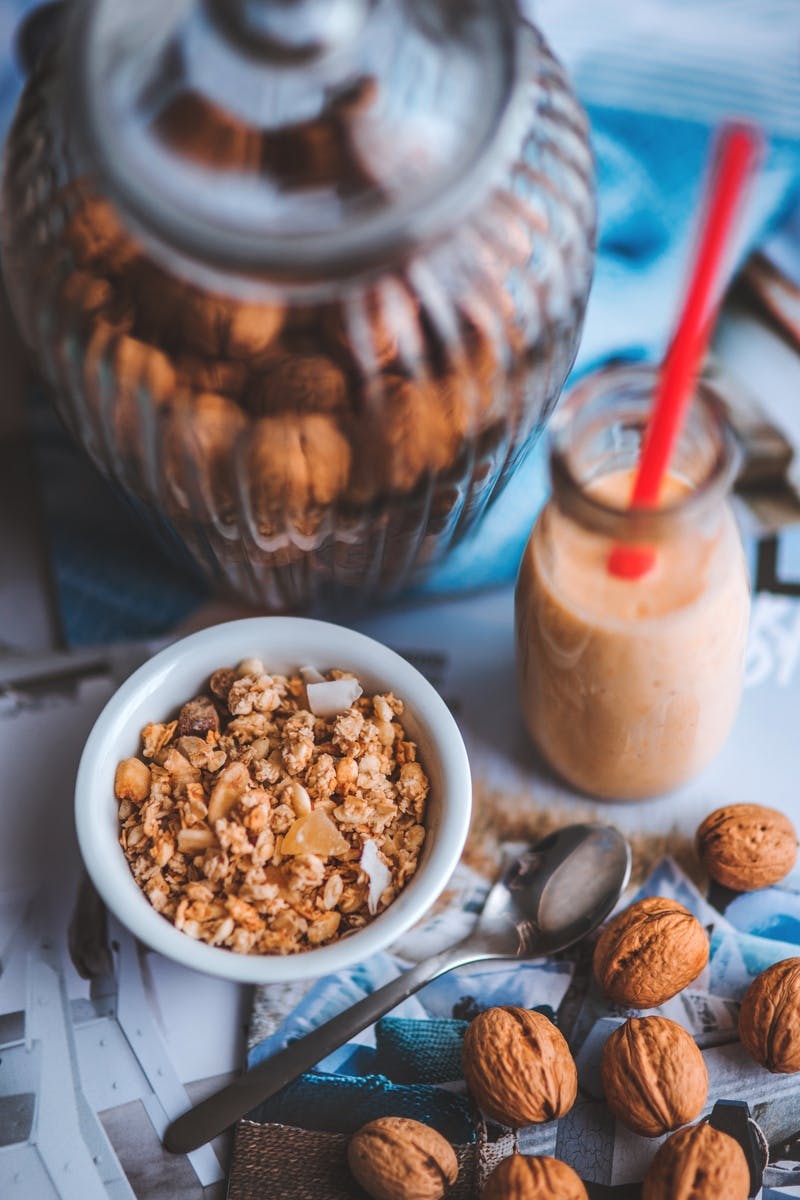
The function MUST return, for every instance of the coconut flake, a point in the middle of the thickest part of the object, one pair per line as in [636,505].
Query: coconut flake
[377,873]
[332,697]
[311,675]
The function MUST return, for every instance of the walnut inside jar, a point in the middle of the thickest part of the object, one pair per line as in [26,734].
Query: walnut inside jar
[200,439]
[127,382]
[97,238]
[187,319]
[416,432]
[202,132]
[224,376]
[298,464]
[321,152]
[298,383]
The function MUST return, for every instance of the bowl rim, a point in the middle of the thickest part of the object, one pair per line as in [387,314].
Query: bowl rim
[135,913]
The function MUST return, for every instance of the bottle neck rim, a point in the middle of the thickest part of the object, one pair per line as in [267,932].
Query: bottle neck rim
[707,492]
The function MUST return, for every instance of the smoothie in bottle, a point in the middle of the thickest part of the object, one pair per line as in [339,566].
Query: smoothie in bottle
[630,686]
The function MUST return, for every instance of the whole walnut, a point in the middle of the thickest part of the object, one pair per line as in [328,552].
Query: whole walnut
[175,314]
[299,463]
[518,1067]
[698,1163]
[769,1019]
[200,439]
[190,320]
[224,376]
[252,328]
[84,294]
[747,846]
[298,383]
[97,238]
[204,133]
[414,436]
[395,1158]
[127,382]
[649,952]
[526,1178]
[654,1077]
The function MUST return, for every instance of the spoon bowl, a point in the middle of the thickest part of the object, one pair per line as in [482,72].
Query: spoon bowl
[546,899]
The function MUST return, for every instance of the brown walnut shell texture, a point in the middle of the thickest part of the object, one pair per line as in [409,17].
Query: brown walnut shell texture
[518,1067]
[525,1178]
[654,1076]
[649,953]
[747,846]
[395,1158]
[769,1019]
[698,1163]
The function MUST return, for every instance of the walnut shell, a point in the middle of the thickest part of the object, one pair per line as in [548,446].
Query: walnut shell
[525,1178]
[769,1019]
[200,439]
[299,463]
[395,1158]
[698,1163]
[192,321]
[126,381]
[654,1077]
[224,376]
[747,846]
[204,133]
[418,433]
[299,383]
[518,1067]
[649,952]
[86,294]
[97,238]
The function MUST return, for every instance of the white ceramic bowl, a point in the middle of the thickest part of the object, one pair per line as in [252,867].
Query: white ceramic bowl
[156,691]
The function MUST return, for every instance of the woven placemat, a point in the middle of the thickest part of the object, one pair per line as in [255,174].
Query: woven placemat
[279,1162]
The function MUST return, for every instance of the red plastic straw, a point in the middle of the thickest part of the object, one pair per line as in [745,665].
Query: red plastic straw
[735,156]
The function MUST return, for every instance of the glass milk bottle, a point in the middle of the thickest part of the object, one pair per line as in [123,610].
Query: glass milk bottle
[629,687]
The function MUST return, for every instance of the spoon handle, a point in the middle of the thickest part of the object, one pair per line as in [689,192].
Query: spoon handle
[204,1121]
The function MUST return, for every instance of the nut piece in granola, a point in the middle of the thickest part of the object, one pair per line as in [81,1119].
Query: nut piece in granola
[747,846]
[258,822]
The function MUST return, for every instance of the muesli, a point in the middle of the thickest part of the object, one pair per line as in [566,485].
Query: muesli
[274,813]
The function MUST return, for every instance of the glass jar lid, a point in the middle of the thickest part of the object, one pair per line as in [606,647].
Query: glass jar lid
[296,138]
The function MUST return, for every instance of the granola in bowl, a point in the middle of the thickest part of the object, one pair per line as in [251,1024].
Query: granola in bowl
[275,813]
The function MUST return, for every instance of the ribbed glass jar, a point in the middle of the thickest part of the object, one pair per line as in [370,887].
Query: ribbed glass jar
[314,324]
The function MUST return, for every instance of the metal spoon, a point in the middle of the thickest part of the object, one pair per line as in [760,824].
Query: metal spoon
[547,899]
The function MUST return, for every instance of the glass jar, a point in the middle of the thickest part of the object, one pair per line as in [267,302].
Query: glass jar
[629,686]
[306,276]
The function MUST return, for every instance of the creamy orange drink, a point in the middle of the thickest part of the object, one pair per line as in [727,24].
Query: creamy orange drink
[630,686]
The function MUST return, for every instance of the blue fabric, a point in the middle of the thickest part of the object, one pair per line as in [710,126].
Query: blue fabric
[342,1104]
[654,88]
